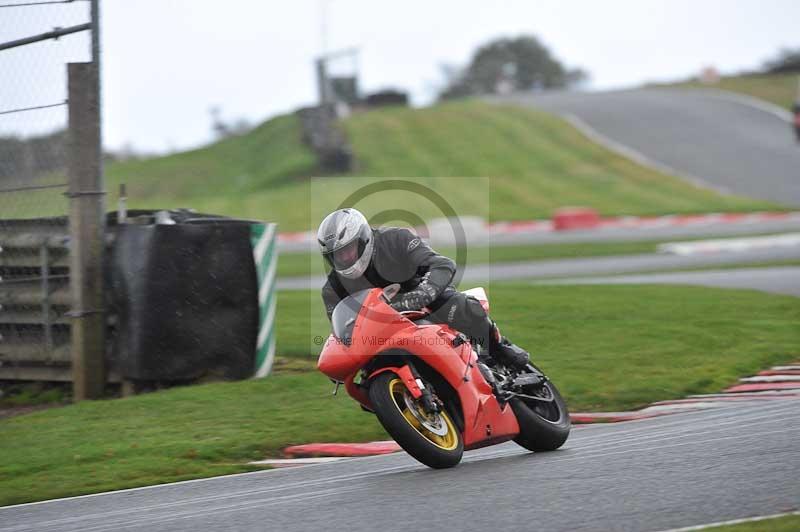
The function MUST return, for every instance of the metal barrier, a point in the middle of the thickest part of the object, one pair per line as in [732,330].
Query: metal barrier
[34,291]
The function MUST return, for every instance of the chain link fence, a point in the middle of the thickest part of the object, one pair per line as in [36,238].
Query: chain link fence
[34,229]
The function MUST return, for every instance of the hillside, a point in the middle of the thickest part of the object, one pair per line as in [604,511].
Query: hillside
[529,163]
[268,157]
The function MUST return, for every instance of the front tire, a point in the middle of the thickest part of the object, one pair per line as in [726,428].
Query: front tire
[543,426]
[439,448]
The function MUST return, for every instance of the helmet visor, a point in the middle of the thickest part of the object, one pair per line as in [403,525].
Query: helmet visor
[345,256]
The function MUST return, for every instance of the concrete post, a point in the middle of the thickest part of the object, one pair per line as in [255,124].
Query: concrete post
[87,229]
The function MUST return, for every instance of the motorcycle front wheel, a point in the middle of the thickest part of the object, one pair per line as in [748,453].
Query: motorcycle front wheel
[432,439]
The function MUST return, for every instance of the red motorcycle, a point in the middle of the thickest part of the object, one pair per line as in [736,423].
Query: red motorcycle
[432,391]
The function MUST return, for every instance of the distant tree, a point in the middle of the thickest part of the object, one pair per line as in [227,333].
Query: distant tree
[223,130]
[218,127]
[23,159]
[787,60]
[126,152]
[509,64]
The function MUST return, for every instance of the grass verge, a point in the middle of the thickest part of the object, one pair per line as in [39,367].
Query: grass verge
[787,523]
[590,339]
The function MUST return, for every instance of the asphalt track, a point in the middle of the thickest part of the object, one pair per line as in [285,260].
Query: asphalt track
[708,136]
[673,471]
[782,280]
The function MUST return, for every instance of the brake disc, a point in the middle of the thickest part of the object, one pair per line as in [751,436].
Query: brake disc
[436,425]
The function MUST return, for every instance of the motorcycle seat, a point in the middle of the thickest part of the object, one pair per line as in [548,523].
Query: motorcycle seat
[480,294]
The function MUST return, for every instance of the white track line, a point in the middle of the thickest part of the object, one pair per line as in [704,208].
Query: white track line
[765,394]
[771,378]
[299,461]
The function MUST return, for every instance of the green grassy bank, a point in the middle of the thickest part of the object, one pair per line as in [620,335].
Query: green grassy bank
[500,162]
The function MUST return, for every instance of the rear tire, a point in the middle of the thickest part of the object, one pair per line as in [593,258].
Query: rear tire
[439,452]
[542,426]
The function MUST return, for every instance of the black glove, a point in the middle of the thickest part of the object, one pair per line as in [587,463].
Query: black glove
[422,296]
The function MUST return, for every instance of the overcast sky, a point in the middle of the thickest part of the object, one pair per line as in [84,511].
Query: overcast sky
[167,61]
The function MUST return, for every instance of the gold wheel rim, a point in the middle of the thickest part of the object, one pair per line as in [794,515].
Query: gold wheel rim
[447,442]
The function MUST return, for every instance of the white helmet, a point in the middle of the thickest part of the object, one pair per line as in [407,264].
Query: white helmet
[345,240]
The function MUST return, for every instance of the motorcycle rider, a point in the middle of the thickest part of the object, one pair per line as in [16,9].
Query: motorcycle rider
[362,257]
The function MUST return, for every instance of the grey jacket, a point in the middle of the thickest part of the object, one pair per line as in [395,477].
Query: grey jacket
[399,256]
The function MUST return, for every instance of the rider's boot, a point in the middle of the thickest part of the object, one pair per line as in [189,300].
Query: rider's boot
[505,352]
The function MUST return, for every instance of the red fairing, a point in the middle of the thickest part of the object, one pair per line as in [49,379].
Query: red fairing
[486,422]
[380,328]
[375,325]
[404,372]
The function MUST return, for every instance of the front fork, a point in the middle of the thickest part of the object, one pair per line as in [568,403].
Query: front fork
[426,397]
[415,385]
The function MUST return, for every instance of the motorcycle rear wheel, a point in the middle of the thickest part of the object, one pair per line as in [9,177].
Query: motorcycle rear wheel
[439,448]
[543,426]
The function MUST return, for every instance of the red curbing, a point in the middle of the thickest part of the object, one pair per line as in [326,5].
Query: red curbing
[581,418]
[341,449]
[772,372]
[759,386]
[568,218]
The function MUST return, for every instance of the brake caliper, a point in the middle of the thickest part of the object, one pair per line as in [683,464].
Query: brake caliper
[429,402]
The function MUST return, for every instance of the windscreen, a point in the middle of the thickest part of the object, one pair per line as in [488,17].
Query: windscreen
[344,315]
